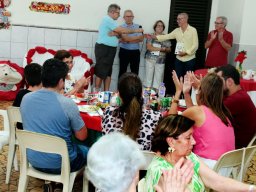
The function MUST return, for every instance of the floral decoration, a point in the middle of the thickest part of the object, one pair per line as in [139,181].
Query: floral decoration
[241,56]
[50,7]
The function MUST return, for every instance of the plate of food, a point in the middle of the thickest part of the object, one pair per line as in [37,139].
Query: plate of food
[92,110]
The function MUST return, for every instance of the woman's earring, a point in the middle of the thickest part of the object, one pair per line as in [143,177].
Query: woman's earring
[171,150]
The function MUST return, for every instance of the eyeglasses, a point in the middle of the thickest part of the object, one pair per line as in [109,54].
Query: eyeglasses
[217,23]
[130,16]
[117,12]
[178,19]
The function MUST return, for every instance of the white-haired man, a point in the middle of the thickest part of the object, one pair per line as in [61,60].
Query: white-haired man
[219,42]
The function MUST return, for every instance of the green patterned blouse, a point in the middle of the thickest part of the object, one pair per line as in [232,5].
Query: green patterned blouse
[158,164]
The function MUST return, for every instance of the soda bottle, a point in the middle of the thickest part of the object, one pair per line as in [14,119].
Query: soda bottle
[146,96]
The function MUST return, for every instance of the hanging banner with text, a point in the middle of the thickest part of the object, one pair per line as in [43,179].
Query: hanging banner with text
[4,14]
[50,7]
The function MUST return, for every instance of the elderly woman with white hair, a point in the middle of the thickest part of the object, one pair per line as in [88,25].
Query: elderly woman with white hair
[113,163]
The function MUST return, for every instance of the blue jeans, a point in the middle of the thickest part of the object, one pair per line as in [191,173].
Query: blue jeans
[75,165]
[181,67]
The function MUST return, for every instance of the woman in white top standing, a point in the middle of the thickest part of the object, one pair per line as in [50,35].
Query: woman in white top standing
[155,57]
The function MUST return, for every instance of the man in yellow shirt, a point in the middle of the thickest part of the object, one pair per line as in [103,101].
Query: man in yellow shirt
[187,44]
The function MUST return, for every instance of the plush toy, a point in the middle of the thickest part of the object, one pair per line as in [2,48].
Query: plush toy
[4,14]
[11,80]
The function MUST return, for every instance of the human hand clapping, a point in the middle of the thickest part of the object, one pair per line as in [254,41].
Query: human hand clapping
[220,36]
[177,82]
[176,179]
[187,84]
[213,35]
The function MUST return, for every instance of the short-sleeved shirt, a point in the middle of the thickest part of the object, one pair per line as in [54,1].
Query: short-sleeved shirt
[19,96]
[50,113]
[189,38]
[243,112]
[217,55]
[131,46]
[160,59]
[107,25]
[159,164]
[149,120]
[17,102]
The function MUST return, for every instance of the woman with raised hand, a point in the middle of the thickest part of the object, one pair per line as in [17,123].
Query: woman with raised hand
[155,57]
[213,131]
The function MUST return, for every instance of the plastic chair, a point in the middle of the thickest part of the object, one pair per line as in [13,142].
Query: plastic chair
[48,144]
[233,160]
[252,142]
[249,154]
[14,116]
[148,156]
[4,134]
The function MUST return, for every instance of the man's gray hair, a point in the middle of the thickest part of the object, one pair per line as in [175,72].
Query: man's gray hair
[224,20]
[184,14]
[113,7]
[113,162]
[128,11]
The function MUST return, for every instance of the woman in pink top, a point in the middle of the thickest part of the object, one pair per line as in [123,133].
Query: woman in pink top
[213,132]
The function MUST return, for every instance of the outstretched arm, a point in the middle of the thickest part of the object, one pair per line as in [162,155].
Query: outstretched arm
[219,183]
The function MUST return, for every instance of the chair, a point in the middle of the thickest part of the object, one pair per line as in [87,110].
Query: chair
[148,156]
[81,66]
[4,134]
[38,55]
[14,116]
[234,160]
[48,144]
[249,154]
[252,142]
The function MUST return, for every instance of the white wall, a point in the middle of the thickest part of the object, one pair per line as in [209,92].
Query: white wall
[248,28]
[87,14]
[233,10]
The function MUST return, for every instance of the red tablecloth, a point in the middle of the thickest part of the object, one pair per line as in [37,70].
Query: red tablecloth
[247,85]
[202,72]
[91,122]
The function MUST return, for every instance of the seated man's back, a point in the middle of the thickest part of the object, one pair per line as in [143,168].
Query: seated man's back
[48,112]
[244,113]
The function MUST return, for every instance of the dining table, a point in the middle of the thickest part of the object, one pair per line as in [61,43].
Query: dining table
[93,125]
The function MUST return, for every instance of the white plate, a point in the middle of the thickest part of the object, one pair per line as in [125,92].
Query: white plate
[91,110]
